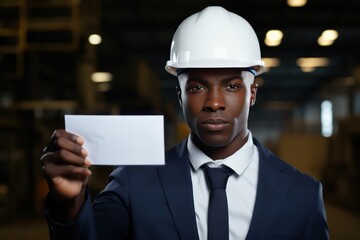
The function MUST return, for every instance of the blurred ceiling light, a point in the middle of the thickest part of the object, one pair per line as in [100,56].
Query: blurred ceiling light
[312,62]
[309,64]
[296,3]
[330,34]
[101,77]
[273,38]
[328,37]
[271,62]
[94,39]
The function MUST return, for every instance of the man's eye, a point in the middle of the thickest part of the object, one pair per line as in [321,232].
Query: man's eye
[196,88]
[232,87]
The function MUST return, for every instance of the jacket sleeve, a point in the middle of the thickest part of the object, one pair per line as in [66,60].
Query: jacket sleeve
[317,227]
[81,228]
[106,218]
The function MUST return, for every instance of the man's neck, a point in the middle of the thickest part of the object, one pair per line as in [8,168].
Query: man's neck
[220,152]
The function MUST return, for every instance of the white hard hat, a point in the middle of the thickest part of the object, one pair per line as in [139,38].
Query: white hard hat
[215,38]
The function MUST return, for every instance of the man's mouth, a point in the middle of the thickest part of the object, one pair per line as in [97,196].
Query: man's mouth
[214,124]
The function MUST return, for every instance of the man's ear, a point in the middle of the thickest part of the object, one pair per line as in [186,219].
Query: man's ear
[253,91]
[178,92]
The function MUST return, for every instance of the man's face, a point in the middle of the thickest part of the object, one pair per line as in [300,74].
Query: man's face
[216,104]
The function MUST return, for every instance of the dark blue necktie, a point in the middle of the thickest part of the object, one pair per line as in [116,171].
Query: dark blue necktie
[218,217]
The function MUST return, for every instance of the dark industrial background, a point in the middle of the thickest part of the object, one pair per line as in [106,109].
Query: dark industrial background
[46,63]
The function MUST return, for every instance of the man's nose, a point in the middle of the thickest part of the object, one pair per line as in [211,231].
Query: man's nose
[214,100]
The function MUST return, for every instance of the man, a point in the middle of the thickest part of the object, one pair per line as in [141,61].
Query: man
[215,54]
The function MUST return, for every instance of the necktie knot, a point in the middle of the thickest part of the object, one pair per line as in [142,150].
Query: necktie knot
[217,177]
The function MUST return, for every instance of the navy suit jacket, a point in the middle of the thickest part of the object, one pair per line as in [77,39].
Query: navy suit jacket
[156,202]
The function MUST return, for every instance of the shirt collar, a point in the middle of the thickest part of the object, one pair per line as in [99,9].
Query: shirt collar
[238,162]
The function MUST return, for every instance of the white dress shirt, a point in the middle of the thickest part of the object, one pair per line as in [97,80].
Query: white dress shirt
[240,190]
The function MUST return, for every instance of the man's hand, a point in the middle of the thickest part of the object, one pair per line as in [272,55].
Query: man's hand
[66,169]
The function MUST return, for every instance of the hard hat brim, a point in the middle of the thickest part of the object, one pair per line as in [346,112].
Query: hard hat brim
[259,66]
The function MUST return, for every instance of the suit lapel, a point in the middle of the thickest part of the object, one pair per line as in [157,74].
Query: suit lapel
[176,181]
[272,186]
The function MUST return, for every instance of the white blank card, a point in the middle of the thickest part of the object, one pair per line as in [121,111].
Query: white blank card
[120,140]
